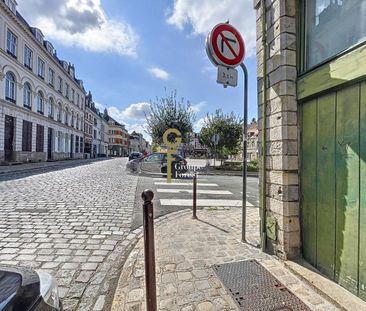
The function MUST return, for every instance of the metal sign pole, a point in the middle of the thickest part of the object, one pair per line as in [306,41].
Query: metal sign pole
[244,212]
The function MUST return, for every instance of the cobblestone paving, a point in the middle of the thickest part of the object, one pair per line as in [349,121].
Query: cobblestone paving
[186,249]
[73,223]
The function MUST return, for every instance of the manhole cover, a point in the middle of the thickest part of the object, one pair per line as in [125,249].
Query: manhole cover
[255,289]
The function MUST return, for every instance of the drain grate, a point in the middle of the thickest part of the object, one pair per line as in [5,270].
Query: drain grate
[255,289]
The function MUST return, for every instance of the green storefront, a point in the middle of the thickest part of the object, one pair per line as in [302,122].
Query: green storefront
[331,92]
[311,64]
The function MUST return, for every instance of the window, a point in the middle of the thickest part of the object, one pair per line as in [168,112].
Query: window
[51,77]
[59,141]
[11,43]
[78,99]
[76,144]
[28,57]
[81,144]
[50,107]
[40,68]
[40,102]
[95,134]
[59,112]
[331,27]
[77,121]
[27,136]
[10,87]
[40,138]
[67,91]
[27,95]
[73,95]
[60,84]
[72,119]
[66,116]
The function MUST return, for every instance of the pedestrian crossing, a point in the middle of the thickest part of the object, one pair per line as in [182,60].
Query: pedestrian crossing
[179,193]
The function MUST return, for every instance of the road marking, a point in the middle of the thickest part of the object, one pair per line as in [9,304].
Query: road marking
[223,203]
[191,191]
[184,184]
[164,179]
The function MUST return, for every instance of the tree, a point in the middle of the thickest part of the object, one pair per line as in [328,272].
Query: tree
[167,112]
[230,129]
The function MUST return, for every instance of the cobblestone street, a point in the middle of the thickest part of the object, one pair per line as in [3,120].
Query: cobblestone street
[74,223]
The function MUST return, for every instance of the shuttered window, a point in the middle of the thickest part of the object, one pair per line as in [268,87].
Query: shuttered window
[40,138]
[27,136]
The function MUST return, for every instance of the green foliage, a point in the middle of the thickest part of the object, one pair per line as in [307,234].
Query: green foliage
[228,126]
[168,112]
[252,166]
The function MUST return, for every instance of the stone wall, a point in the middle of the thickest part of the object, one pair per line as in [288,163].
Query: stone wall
[282,132]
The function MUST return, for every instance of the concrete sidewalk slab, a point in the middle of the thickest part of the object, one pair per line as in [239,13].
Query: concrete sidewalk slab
[186,249]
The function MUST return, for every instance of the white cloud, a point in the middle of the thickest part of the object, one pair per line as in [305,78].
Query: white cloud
[159,73]
[204,14]
[133,117]
[199,124]
[137,111]
[197,108]
[80,23]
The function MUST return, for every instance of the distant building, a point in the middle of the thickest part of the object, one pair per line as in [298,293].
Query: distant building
[41,100]
[252,143]
[118,138]
[138,143]
[195,147]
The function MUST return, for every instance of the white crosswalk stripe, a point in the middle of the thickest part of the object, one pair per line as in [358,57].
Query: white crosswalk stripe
[203,202]
[184,184]
[164,179]
[204,191]
[180,188]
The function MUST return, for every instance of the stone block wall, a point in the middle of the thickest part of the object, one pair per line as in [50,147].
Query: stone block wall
[282,126]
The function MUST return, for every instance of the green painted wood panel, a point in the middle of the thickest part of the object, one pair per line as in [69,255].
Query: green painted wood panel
[308,181]
[362,222]
[347,187]
[325,186]
[342,70]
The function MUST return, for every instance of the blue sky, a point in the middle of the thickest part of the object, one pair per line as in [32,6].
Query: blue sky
[128,52]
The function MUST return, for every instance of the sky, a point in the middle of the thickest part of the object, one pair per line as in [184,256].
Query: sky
[128,53]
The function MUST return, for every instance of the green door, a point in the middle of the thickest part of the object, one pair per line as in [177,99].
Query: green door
[333,186]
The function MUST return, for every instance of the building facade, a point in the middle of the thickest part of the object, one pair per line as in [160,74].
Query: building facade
[138,143]
[118,138]
[252,141]
[312,108]
[41,100]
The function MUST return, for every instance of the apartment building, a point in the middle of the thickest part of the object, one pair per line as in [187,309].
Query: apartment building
[41,100]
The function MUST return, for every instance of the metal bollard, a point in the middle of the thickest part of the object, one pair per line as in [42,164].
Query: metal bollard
[150,276]
[195,196]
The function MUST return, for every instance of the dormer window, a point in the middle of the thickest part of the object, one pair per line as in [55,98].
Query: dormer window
[12,5]
[49,47]
[39,35]
[64,64]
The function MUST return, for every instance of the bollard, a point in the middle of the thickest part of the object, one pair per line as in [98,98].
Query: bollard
[149,248]
[195,196]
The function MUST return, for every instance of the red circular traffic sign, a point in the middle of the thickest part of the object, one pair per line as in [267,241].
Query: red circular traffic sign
[225,46]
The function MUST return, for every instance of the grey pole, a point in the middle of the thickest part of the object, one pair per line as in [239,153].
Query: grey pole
[244,211]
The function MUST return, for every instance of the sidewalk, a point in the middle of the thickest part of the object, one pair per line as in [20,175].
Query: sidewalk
[27,167]
[185,251]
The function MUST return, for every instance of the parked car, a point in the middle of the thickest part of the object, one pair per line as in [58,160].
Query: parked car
[156,164]
[135,155]
[24,289]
